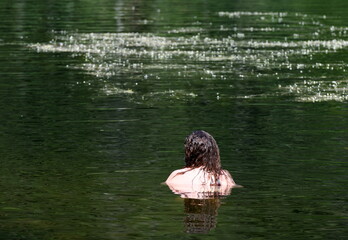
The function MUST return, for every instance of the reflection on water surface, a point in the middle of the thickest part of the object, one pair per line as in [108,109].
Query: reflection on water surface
[201,214]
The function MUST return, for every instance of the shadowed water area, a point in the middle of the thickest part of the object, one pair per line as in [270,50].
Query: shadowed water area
[97,97]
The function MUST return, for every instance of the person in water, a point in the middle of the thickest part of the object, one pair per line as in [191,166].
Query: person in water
[202,171]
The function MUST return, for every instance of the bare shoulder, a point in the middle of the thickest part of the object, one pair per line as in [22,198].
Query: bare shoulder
[226,173]
[227,178]
[175,173]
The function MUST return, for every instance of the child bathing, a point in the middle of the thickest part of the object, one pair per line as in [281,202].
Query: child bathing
[202,171]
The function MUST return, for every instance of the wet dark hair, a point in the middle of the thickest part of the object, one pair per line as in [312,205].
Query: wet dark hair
[201,150]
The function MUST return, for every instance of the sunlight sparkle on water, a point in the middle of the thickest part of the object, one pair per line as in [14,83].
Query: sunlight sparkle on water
[108,55]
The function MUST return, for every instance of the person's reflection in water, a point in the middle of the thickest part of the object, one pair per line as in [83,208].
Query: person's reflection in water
[202,182]
[201,214]
[201,207]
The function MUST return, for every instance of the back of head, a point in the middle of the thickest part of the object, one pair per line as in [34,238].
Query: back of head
[201,150]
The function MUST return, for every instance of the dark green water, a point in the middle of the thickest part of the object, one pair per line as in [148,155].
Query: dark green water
[96,98]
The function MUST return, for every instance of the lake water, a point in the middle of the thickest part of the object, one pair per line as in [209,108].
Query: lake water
[96,98]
